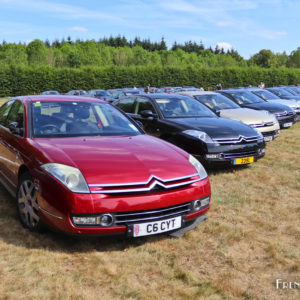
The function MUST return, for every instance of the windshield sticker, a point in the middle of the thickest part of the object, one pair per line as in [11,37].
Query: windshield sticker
[37,104]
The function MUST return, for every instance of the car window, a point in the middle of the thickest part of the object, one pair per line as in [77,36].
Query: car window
[16,114]
[127,105]
[216,101]
[281,92]
[143,104]
[78,118]
[266,95]
[182,107]
[245,97]
[4,111]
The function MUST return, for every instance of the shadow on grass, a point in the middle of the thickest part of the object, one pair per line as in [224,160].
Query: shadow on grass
[214,170]
[12,233]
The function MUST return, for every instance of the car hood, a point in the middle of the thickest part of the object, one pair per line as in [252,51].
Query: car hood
[271,107]
[292,97]
[113,160]
[215,127]
[247,115]
[290,103]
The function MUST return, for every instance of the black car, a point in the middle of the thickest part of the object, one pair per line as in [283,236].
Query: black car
[295,88]
[77,93]
[244,98]
[283,93]
[50,93]
[190,125]
[101,94]
[270,97]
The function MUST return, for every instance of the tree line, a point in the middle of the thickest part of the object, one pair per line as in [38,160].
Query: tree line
[120,52]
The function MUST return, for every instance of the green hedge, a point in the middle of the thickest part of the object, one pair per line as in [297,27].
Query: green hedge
[24,80]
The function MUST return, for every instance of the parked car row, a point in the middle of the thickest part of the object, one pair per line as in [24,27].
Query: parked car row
[85,166]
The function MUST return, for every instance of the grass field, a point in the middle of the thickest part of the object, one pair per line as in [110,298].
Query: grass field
[251,239]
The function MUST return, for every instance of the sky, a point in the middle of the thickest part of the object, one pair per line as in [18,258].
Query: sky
[244,25]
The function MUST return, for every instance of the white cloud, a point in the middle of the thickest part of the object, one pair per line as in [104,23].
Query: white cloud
[224,45]
[79,29]
[65,11]
[226,24]
[281,33]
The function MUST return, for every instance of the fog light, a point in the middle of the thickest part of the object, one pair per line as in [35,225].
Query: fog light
[106,220]
[200,203]
[84,220]
[197,205]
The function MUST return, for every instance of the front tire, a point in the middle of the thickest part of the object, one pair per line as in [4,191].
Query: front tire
[27,204]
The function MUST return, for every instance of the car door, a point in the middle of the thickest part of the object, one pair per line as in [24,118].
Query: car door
[151,123]
[11,141]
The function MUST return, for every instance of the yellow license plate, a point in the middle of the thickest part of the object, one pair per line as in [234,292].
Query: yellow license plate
[244,160]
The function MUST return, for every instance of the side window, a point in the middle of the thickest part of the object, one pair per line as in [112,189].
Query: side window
[16,114]
[127,105]
[143,104]
[4,111]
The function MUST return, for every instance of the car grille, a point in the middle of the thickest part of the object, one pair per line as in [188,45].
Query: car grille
[238,154]
[287,119]
[153,185]
[270,133]
[239,140]
[262,125]
[284,114]
[127,218]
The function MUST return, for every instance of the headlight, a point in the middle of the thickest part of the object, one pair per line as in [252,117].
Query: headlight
[201,135]
[71,177]
[197,165]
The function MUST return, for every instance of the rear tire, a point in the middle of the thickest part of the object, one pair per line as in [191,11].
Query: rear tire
[27,204]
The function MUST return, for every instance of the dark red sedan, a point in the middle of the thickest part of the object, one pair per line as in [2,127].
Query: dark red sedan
[81,166]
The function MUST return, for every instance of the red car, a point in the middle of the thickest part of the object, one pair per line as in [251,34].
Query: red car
[81,166]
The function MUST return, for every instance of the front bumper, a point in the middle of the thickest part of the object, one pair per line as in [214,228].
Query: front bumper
[288,121]
[57,211]
[227,154]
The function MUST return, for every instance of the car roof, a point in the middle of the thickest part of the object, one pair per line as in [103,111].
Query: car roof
[161,95]
[195,93]
[234,90]
[45,98]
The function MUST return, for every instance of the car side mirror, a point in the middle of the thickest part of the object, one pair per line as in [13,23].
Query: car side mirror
[13,127]
[147,114]
[139,123]
[218,113]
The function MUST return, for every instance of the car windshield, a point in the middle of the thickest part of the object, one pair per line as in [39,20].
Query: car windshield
[133,92]
[184,107]
[103,94]
[296,89]
[216,101]
[245,97]
[266,95]
[290,90]
[281,93]
[78,118]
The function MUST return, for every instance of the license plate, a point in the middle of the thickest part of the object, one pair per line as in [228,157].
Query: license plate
[156,227]
[287,124]
[244,160]
[268,138]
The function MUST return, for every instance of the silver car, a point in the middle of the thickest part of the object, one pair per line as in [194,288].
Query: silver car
[263,121]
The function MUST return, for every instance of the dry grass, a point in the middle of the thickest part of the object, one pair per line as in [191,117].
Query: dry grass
[251,238]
